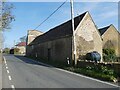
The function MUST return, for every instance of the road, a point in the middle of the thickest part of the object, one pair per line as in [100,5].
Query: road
[21,72]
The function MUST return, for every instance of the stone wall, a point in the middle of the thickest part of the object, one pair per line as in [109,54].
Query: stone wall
[22,49]
[58,49]
[111,40]
[32,34]
[88,38]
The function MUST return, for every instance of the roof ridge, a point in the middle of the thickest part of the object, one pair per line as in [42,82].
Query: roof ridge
[64,29]
[66,22]
[105,27]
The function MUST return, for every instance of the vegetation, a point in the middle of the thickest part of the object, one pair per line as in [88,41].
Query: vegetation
[6,50]
[109,55]
[6,17]
[102,73]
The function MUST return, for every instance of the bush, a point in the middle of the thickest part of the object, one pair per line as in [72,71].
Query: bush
[108,51]
[109,55]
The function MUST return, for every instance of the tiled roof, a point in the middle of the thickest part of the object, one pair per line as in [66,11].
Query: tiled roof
[60,31]
[21,44]
[103,30]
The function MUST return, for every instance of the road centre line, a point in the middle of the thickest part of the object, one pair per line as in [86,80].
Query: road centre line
[5,60]
[6,67]
[13,87]
[9,77]
[8,71]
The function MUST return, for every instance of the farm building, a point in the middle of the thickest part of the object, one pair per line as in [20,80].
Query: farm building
[57,43]
[111,38]
[22,47]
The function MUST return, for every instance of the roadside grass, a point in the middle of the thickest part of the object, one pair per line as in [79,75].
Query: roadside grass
[105,76]
[99,72]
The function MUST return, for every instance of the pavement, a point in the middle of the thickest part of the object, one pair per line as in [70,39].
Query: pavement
[21,72]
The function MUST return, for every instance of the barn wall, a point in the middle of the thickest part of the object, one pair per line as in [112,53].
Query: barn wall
[111,39]
[88,38]
[58,49]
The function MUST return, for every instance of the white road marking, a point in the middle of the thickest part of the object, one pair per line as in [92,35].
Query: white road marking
[8,71]
[13,87]
[6,67]
[9,77]
[3,57]
[5,60]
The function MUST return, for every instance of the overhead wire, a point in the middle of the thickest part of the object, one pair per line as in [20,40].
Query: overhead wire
[50,15]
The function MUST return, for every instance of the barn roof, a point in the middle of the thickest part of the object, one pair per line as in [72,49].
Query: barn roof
[103,30]
[60,31]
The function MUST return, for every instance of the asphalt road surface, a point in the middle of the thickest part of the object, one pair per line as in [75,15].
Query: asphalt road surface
[21,72]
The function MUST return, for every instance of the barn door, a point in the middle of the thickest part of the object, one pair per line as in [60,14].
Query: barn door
[49,54]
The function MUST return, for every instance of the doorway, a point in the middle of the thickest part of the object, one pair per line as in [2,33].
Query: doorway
[49,54]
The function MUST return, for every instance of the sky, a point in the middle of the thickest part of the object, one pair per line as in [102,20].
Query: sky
[28,15]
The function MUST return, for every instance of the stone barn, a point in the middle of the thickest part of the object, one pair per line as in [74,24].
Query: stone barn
[111,38]
[56,44]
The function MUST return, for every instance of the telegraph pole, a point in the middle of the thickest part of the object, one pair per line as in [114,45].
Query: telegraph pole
[73,28]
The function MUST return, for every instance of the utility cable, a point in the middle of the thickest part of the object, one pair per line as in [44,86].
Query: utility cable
[51,15]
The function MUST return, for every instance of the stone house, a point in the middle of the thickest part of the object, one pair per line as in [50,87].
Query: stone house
[31,35]
[111,38]
[22,47]
[57,43]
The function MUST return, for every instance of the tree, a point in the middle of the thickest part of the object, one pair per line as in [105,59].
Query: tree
[6,50]
[6,16]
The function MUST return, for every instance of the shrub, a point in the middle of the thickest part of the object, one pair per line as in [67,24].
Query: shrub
[109,55]
[108,51]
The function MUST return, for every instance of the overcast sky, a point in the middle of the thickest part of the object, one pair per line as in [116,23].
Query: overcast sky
[30,14]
